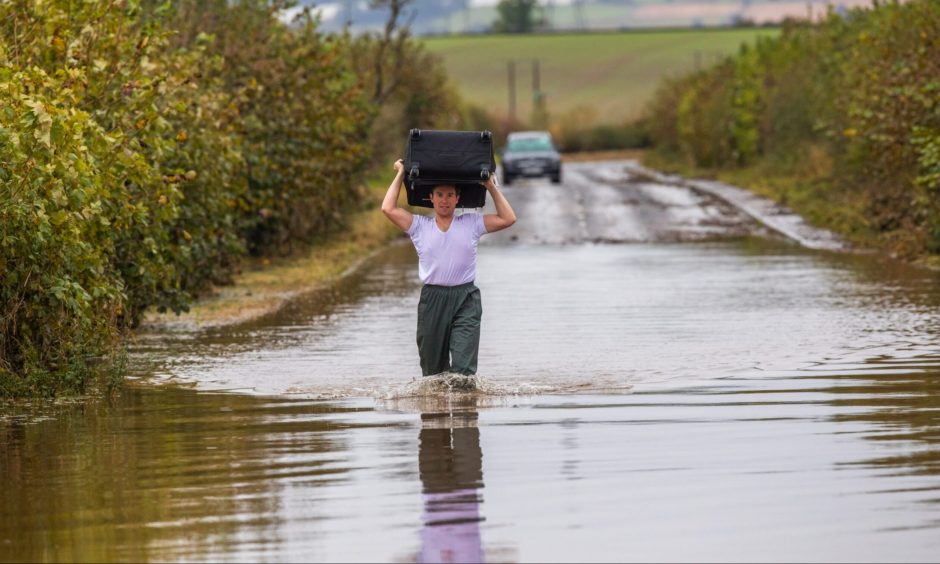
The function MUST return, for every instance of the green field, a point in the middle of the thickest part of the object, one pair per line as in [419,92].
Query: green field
[604,77]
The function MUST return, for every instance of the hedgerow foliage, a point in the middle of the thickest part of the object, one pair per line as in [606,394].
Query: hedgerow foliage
[407,84]
[137,163]
[863,88]
[303,116]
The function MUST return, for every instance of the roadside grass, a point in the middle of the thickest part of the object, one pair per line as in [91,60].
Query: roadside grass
[808,192]
[264,285]
[607,76]
[612,155]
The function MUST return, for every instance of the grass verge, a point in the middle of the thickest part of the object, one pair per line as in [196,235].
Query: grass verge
[811,193]
[613,155]
[264,285]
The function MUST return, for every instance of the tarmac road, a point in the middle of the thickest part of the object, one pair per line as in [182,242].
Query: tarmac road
[603,202]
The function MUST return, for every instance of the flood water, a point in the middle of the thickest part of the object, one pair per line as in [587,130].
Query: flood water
[662,381]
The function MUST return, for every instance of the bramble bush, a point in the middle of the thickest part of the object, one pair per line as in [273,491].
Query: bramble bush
[144,147]
[862,89]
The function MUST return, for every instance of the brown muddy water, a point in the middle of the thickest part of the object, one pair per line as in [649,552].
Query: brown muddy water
[661,381]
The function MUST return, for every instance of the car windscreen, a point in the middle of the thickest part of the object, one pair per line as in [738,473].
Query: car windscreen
[530,144]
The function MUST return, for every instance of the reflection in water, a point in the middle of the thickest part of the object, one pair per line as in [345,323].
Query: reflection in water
[322,344]
[898,401]
[159,475]
[451,467]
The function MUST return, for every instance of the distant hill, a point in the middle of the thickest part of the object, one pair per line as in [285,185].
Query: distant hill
[441,17]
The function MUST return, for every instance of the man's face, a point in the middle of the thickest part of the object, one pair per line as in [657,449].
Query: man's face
[444,199]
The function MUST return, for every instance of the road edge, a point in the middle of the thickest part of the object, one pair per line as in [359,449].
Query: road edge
[265,286]
[774,216]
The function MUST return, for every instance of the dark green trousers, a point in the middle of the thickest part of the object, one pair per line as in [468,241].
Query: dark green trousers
[449,328]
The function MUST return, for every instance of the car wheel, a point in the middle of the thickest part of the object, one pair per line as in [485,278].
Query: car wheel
[507,179]
[556,178]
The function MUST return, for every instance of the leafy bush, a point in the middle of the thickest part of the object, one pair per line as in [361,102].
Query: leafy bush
[60,297]
[864,88]
[138,163]
[572,135]
[303,120]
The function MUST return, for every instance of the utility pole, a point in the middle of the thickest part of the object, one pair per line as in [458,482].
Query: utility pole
[511,77]
[539,118]
[536,80]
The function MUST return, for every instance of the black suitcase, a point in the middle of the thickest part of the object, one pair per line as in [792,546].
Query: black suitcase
[461,158]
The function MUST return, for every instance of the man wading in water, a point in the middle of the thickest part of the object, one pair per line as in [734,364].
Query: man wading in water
[450,309]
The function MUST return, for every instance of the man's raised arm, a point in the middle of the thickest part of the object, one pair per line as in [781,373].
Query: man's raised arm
[504,216]
[400,217]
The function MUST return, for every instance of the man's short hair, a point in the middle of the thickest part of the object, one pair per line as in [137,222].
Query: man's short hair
[454,186]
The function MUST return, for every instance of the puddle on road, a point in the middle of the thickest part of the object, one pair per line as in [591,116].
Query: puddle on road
[735,400]
[798,422]
[576,318]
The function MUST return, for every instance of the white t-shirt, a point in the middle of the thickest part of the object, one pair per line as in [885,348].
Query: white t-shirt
[447,258]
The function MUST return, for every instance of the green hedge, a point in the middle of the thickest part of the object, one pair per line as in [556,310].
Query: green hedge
[139,158]
[860,92]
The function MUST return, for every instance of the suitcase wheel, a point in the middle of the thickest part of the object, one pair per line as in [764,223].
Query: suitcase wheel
[415,133]
[485,174]
[413,173]
[485,135]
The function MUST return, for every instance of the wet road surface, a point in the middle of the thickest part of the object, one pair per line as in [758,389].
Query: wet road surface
[666,380]
[603,203]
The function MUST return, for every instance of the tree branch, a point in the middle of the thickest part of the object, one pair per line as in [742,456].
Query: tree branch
[393,33]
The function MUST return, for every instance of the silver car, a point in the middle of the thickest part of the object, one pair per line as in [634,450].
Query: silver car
[529,154]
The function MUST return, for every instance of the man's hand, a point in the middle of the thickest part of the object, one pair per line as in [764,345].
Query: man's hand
[491,183]
[401,218]
[504,216]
